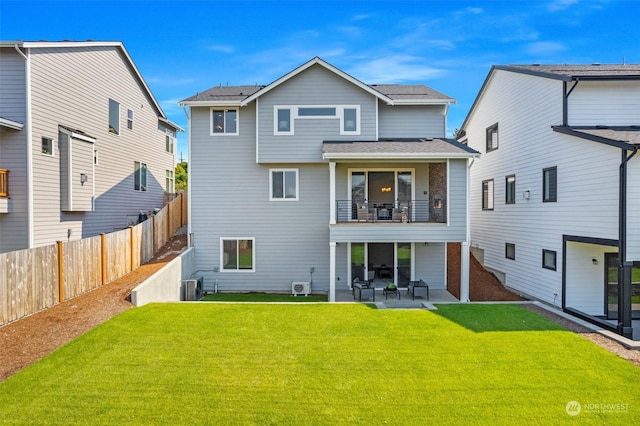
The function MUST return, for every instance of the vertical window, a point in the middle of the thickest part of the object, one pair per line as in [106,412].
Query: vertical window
[130,119]
[487,194]
[47,146]
[550,185]
[510,189]
[549,259]
[492,137]
[283,121]
[510,251]
[169,181]
[237,254]
[95,156]
[170,143]
[139,176]
[284,184]
[114,117]
[224,121]
[350,120]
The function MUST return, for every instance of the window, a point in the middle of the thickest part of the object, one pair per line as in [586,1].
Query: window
[510,189]
[95,156]
[139,176]
[510,251]
[350,120]
[170,143]
[237,255]
[224,121]
[114,117]
[316,112]
[130,119]
[283,122]
[550,185]
[492,137]
[47,146]
[487,194]
[549,259]
[169,181]
[284,184]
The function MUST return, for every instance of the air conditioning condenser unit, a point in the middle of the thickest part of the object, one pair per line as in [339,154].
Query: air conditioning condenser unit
[300,287]
[192,289]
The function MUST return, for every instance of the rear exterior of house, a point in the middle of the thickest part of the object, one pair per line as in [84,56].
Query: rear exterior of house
[323,179]
[84,145]
[555,195]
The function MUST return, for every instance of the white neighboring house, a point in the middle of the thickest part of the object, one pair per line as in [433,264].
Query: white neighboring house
[320,178]
[555,196]
[84,144]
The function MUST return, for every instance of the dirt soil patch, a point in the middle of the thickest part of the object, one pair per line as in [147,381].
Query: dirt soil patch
[29,339]
[26,340]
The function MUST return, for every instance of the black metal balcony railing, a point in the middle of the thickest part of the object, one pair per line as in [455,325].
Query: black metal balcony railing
[391,212]
[4,183]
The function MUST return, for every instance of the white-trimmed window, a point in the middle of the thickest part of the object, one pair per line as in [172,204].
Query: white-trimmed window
[95,157]
[237,254]
[487,194]
[492,137]
[224,121]
[114,117]
[139,176]
[510,251]
[130,119]
[170,142]
[169,181]
[285,116]
[47,146]
[510,189]
[283,184]
[549,259]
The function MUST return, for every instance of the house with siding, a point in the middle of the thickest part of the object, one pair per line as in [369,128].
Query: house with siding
[320,178]
[555,199]
[84,144]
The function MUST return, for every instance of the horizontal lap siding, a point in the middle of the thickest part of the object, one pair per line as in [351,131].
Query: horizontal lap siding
[633,209]
[13,152]
[72,87]
[585,280]
[587,182]
[315,86]
[411,121]
[610,103]
[230,198]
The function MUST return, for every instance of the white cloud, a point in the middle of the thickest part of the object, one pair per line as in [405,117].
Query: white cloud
[559,5]
[544,47]
[395,69]
[221,48]
[360,17]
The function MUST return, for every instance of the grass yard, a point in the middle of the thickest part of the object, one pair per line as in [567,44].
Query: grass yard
[262,297]
[324,364]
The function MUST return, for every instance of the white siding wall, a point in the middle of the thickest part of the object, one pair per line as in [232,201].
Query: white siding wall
[633,209]
[411,121]
[72,88]
[13,151]
[526,107]
[585,281]
[315,86]
[610,103]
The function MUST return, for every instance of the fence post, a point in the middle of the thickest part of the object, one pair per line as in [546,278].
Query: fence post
[60,273]
[132,245]
[103,255]
[153,234]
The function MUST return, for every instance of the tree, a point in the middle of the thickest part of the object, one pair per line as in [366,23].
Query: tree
[182,176]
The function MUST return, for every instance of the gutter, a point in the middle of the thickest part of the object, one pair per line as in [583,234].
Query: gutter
[27,76]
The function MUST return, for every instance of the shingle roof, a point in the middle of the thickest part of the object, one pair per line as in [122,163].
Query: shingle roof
[405,148]
[224,93]
[594,71]
[409,91]
[620,136]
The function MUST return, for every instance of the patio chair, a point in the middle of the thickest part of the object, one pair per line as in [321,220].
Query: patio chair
[416,288]
[363,212]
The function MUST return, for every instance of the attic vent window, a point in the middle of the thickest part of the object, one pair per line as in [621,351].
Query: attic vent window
[316,112]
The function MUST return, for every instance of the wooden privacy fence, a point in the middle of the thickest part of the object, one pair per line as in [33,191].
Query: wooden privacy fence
[35,279]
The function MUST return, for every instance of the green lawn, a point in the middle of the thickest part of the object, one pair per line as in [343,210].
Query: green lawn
[324,363]
[262,297]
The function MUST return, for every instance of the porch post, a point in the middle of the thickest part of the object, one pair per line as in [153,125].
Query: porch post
[464,271]
[332,271]
[332,193]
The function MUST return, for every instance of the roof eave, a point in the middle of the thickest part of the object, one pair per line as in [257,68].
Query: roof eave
[396,156]
[10,124]
[424,101]
[594,138]
[211,103]
[171,124]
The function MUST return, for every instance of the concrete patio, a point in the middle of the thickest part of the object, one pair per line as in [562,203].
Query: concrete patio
[404,302]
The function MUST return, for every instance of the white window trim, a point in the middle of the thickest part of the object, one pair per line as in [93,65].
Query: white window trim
[145,186]
[52,144]
[253,255]
[271,197]
[212,133]
[119,130]
[293,116]
[130,119]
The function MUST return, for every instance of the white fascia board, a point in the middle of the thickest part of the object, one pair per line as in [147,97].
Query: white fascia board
[83,137]
[424,101]
[328,66]
[211,103]
[171,124]
[10,124]
[395,156]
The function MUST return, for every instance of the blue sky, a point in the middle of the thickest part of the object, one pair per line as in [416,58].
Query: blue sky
[183,47]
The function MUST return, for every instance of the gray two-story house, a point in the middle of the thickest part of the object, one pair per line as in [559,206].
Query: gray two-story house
[320,178]
[84,144]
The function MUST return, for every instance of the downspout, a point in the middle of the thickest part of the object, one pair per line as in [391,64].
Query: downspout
[29,128]
[624,268]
